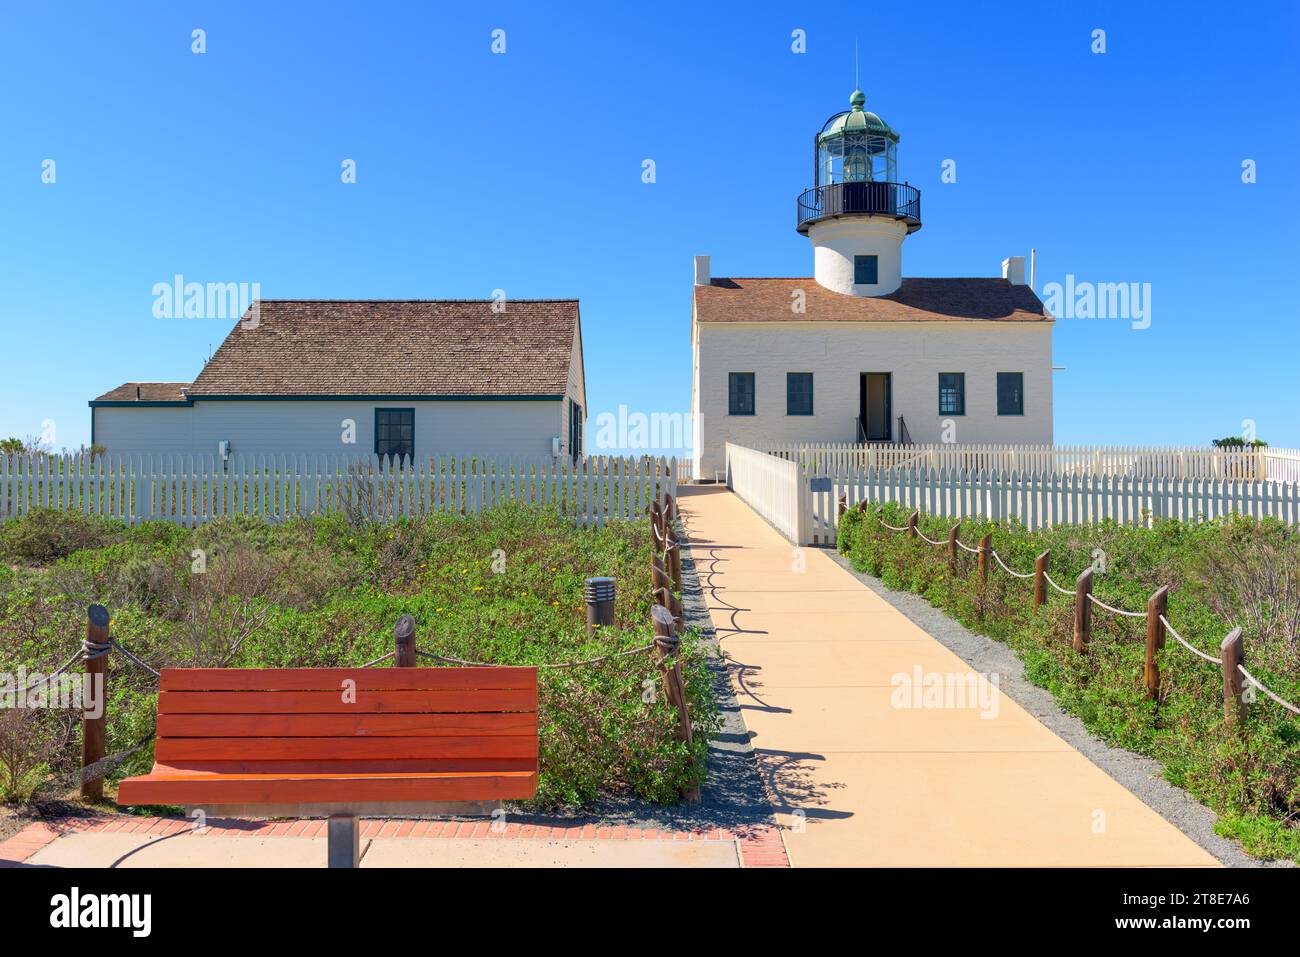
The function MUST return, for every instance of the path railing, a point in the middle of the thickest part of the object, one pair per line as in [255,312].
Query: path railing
[192,489]
[775,488]
[1231,659]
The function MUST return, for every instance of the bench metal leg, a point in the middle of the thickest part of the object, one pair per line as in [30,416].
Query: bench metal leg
[344,841]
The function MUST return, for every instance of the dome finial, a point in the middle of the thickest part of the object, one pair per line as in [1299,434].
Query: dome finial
[858,99]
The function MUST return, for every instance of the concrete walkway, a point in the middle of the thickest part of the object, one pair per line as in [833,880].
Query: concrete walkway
[865,770]
[129,841]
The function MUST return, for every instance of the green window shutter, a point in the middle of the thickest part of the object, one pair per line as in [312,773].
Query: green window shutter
[866,270]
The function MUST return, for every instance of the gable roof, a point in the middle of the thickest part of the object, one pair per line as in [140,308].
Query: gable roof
[916,300]
[448,347]
[149,392]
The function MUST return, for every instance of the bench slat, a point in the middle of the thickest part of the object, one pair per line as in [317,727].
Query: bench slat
[173,750]
[330,679]
[279,789]
[335,725]
[331,702]
[289,768]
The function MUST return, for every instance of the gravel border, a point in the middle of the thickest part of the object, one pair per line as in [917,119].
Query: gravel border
[1141,776]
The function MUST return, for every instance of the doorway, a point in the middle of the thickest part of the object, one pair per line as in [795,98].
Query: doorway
[874,406]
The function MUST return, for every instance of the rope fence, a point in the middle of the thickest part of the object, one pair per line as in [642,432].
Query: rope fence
[1235,674]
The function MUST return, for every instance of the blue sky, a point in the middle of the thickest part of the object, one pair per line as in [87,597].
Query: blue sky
[522,171]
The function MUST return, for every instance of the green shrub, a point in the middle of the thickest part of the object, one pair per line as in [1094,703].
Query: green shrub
[503,586]
[44,535]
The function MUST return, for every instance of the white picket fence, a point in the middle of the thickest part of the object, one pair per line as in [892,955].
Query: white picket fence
[1041,499]
[1281,465]
[801,499]
[772,487]
[192,489]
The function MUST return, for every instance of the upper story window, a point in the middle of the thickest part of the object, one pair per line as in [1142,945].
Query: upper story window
[1011,393]
[952,393]
[740,393]
[866,270]
[395,433]
[798,393]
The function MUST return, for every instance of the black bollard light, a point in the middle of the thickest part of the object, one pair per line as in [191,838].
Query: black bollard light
[599,593]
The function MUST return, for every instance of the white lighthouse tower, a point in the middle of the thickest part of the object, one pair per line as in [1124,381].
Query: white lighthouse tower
[857,214]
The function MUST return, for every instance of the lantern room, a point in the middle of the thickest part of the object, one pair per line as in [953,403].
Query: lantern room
[856,146]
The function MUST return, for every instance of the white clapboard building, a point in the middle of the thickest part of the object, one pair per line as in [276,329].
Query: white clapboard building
[858,352]
[393,378]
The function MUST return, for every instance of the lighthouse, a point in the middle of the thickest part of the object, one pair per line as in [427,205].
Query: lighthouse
[857,213]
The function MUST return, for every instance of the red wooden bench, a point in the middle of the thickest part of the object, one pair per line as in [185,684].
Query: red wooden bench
[342,743]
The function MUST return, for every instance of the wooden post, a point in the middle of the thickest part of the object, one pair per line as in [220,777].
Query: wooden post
[1234,684]
[93,728]
[952,548]
[673,558]
[404,643]
[663,588]
[1082,610]
[1040,578]
[911,524]
[667,646]
[1157,605]
[657,524]
[986,545]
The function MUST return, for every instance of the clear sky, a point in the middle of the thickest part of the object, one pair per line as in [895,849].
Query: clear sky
[522,171]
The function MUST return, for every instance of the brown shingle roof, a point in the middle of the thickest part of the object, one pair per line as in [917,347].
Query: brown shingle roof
[396,347]
[149,392]
[916,300]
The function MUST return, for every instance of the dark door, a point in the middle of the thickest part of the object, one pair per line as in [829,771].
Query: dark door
[874,406]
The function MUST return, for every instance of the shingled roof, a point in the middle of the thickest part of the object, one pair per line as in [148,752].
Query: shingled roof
[447,347]
[146,392]
[916,300]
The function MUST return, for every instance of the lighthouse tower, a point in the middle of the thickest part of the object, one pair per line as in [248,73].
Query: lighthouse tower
[857,214]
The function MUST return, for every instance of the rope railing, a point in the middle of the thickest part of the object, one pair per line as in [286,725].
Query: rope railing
[556,664]
[1119,611]
[1186,644]
[1084,592]
[1051,581]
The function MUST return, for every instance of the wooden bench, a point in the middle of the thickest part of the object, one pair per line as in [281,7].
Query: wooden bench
[342,743]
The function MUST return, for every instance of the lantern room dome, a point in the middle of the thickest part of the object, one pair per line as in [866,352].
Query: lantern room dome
[856,120]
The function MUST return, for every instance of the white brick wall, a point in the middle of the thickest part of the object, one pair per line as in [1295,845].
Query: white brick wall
[837,353]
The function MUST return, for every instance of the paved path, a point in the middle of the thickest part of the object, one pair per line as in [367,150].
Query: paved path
[131,841]
[860,780]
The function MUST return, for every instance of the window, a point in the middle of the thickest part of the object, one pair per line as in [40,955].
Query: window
[798,393]
[575,429]
[952,393]
[395,433]
[740,393]
[1011,393]
[866,270]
